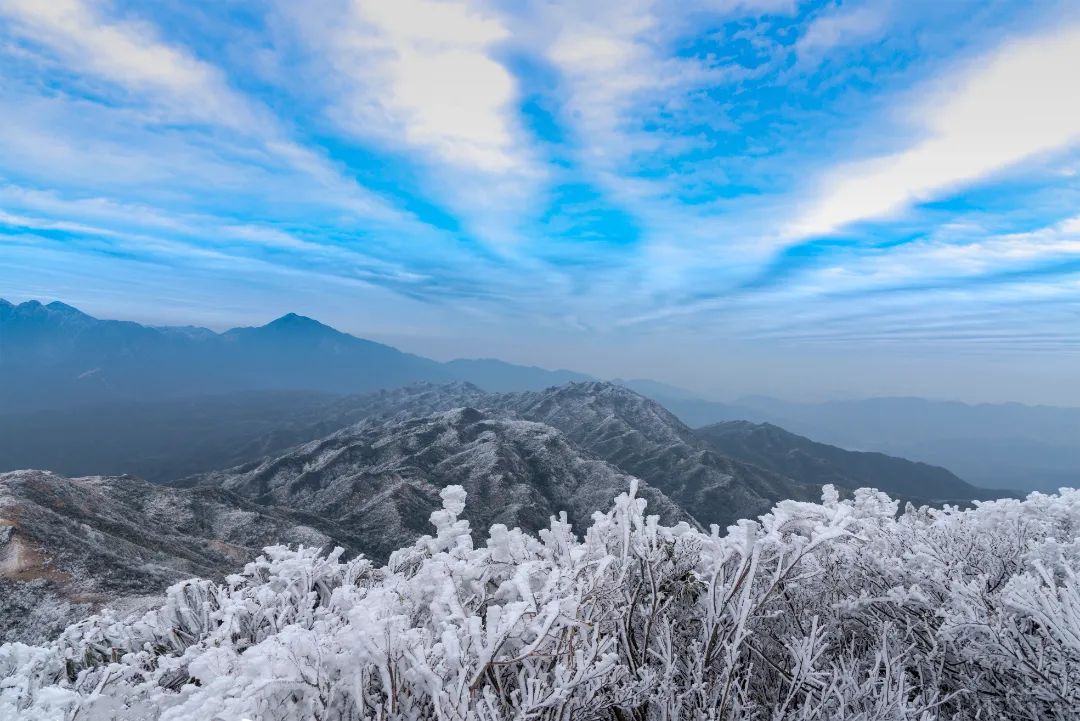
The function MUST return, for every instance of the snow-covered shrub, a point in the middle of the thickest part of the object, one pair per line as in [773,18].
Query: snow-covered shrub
[838,610]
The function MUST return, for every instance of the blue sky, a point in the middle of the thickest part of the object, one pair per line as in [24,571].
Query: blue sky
[806,195]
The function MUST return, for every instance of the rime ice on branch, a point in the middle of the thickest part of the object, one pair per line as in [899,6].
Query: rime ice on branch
[843,609]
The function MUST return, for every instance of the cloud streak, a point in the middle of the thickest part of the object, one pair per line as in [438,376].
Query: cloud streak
[177,86]
[424,74]
[1010,106]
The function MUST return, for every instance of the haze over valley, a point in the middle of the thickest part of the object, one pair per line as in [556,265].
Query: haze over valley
[164,402]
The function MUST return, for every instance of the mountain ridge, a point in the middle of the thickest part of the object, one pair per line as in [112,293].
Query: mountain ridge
[992,445]
[392,468]
[371,486]
[55,356]
[770,446]
[71,545]
[642,437]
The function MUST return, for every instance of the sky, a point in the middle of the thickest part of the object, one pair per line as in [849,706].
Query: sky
[804,199]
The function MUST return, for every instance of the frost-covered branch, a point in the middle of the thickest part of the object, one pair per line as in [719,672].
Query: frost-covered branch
[843,609]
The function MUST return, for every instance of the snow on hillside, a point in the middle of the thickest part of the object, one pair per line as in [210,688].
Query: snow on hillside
[843,609]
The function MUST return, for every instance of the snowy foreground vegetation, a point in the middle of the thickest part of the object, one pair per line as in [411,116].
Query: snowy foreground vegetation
[839,610]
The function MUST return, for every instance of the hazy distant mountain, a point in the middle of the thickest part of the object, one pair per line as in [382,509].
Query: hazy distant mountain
[168,439]
[697,412]
[654,389]
[497,376]
[69,545]
[55,356]
[794,456]
[381,478]
[1007,445]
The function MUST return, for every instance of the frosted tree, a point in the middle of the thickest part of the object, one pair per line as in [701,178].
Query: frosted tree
[841,609]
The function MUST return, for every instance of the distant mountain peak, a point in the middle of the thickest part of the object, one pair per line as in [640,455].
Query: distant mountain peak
[59,342]
[464,388]
[289,324]
[294,320]
[59,307]
[29,307]
[36,307]
[598,393]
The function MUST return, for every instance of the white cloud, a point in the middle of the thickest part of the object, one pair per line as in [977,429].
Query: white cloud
[947,261]
[623,71]
[425,78]
[1015,104]
[619,70]
[178,86]
[129,54]
[630,98]
[218,239]
[955,260]
[1072,226]
[842,27]
[423,73]
[607,61]
[22,221]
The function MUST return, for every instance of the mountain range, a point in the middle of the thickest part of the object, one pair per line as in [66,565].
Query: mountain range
[994,445]
[110,384]
[178,452]
[55,356]
[71,545]
[788,454]
[383,477]
[369,485]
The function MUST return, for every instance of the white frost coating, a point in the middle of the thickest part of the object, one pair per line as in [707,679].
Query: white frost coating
[450,532]
[453,498]
[839,610]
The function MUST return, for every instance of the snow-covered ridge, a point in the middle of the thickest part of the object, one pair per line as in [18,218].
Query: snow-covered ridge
[381,478]
[69,545]
[839,609]
[79,544]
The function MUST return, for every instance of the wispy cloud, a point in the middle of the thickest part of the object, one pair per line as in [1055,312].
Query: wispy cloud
[841,26]
[625,83]
[174,85]
[425,74]
[1002,109]
[427,82]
